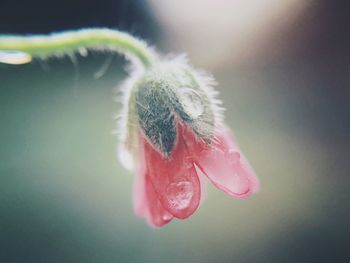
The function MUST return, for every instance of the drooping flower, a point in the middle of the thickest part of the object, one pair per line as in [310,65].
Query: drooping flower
[174,135]
[171,125]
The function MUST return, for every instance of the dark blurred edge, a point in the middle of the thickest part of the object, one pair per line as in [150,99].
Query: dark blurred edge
[37,16]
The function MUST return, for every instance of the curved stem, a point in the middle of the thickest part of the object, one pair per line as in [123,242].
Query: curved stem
[69,41]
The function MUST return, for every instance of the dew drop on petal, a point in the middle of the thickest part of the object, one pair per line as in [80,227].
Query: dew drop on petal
[167,217]
[180,194]
[233,156]
[191,101]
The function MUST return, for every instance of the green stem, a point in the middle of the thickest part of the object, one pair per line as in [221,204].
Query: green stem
[70,41]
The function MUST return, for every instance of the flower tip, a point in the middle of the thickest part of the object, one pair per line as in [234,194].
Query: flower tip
[227,168]
[157,224]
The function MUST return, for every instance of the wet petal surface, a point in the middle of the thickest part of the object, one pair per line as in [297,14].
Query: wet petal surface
[175,179]
[146,201]
[157,216]
[225,166]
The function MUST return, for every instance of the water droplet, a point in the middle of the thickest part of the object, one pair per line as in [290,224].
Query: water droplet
[191,101]
[234,156]
[83,52]
[14,57]
[180,194]
[166,217]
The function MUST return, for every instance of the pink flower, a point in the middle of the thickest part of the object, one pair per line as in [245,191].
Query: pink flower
[168,188]
[179,137]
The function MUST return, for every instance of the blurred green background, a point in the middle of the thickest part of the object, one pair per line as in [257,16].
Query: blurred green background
[65,198]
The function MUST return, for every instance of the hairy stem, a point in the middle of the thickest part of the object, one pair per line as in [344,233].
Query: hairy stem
[70,41]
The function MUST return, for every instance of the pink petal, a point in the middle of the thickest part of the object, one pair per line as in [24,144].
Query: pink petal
[157,216]
[226,167]
[175,179]
[140,203]
[146,202]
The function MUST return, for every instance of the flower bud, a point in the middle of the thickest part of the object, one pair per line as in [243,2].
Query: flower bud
[169,93]
[173,127]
